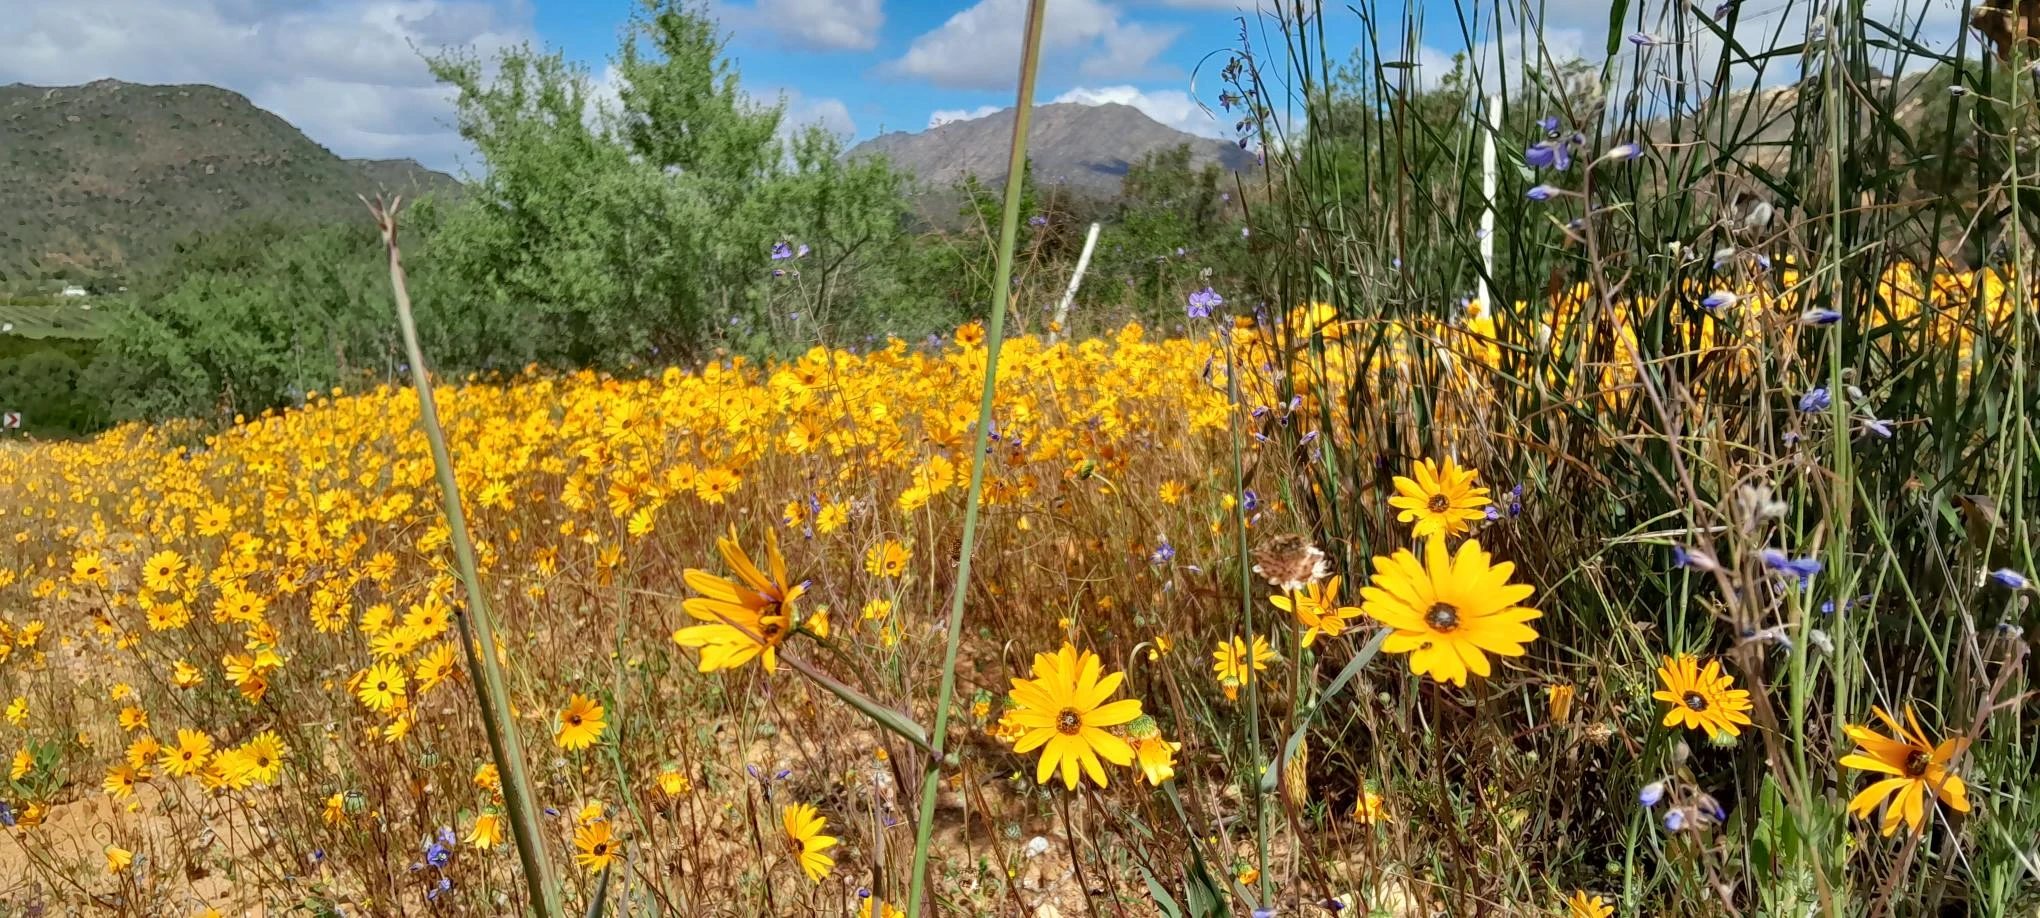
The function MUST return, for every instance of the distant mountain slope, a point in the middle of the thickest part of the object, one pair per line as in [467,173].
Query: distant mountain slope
[1086,147]
[109,174]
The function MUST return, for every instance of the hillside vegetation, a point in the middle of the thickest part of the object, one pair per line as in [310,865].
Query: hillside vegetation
[101,178]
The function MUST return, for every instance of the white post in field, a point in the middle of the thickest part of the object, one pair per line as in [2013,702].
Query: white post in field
[1062,309]
[1490,116]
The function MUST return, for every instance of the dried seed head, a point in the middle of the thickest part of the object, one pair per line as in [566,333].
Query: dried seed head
[1291,562]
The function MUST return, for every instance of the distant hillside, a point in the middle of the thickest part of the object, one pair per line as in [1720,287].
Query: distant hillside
[1085,147]
[109,174]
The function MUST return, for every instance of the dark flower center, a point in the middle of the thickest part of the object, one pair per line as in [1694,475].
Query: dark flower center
[770,631]
[1442,617]
[382,686]
[1696,701]
[574,719]
[1069,722]
[1916,764]
[1439,504]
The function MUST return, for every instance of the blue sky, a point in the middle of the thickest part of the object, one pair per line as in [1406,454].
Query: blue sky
[348,73]
[865,66]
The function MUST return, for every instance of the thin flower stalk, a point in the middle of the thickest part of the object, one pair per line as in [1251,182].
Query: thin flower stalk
[995,332]
[490,690]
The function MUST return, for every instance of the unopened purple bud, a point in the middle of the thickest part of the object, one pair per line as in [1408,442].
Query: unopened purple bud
[1541,193]
[1719,299]
[1819,317]
[1651,793]
[2010,578]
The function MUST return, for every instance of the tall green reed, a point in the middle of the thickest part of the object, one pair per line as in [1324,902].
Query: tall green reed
[1789,134]
[995,330]
[478,640]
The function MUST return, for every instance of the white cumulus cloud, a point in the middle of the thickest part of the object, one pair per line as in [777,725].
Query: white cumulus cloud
[1172,107]
[827,25]
[979,48]
[942,116]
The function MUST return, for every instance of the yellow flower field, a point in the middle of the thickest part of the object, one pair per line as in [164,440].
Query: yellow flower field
[234,674]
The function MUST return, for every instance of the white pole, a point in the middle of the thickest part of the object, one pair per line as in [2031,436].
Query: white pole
[1487,188]
[1062,309]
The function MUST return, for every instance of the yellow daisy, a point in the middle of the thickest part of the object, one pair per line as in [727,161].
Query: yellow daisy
[1701,698]
[1234,667]
[581,724]
[1063,712]
[1918,767]
[1581,905]
[595,846]
[1317,609]
[382,688]
[804,839]
[1450,611]
[746,618]
[1440,501]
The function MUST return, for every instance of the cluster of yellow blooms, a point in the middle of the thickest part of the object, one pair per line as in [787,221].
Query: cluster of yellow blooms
[305,551]
[300,558]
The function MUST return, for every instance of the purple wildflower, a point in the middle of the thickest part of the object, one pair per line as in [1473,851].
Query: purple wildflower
[1202,302]
[1816,399]
[781,251]
[2010,578]
[1803,568]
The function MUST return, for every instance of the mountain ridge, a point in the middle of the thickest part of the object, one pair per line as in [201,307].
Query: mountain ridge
[106,175]
[1082,146]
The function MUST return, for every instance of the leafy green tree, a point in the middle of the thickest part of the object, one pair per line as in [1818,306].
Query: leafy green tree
[611,235]
[252,317]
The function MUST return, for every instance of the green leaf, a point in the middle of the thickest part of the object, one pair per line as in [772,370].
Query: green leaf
[1304,723]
